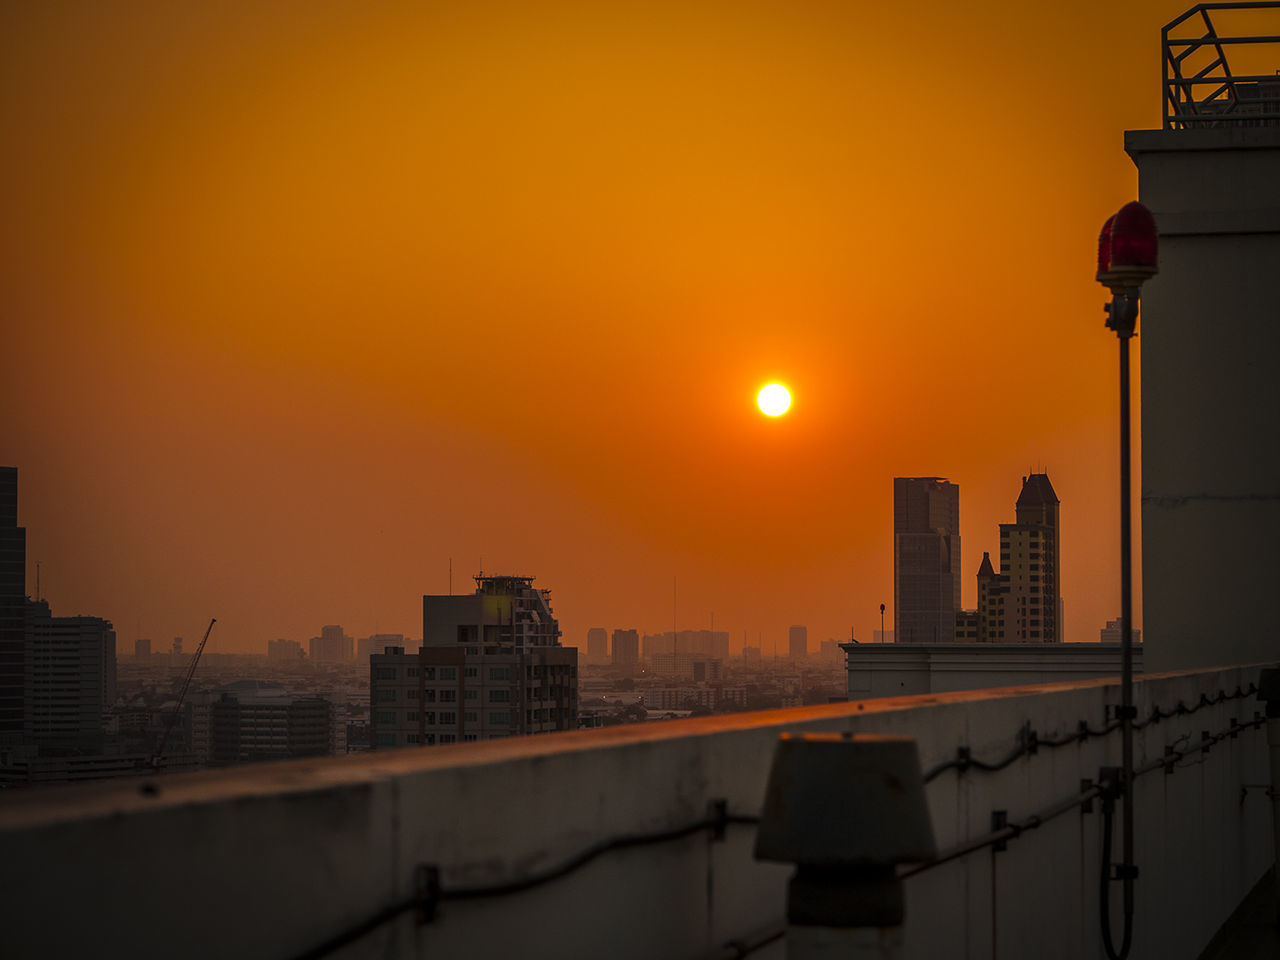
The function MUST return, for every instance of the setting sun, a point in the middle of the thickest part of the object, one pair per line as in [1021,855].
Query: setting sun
[774,400]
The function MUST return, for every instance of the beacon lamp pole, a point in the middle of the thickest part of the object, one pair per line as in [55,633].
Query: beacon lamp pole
[1126,258]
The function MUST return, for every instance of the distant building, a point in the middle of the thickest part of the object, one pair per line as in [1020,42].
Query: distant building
[177,646]
[709,643]
[690,666]
[1111,632]
[332,646]
[378,643]
[798,642]
[751,658]
[1030,601]
[626,649]
[13,593]
[254,721]
[597,645]
[926,559]
[490,666]
[284,651]
[142,649]
[966,626]
[69,678]
[830,653]
[882,636]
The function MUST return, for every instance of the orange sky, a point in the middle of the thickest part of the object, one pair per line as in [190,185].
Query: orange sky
[299,303]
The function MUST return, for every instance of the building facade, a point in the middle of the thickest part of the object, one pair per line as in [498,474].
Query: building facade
[69,679]
[597,645]
[253,721]
[798,642]
[625,654]
[490,666]
[332,646]
[13,593]
[926,559]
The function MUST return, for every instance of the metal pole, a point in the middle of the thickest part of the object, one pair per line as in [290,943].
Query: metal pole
[1127,870]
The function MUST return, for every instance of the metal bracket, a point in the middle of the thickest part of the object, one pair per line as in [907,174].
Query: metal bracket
[718,813]
[999,820]
[426,882]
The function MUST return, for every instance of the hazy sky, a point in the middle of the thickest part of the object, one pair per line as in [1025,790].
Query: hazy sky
[302,300]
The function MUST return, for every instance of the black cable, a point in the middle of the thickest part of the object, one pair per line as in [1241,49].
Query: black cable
[429,893]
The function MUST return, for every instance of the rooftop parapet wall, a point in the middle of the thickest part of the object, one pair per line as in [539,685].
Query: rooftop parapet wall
[273,860]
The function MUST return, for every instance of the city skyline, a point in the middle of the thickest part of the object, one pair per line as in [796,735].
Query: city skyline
[305,373]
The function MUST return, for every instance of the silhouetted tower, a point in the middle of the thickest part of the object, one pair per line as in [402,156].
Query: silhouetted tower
[1029,565]
[13,591]
[926,559]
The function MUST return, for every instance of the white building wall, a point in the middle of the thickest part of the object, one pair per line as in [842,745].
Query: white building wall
[1209,335]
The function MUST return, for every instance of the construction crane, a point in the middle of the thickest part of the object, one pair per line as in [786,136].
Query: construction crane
[155,759]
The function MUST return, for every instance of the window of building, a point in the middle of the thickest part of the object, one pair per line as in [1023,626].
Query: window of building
[448,718]
[411,672]
[386,739]
[471,693]
[448,673]
[385,716]
[448,696]
[386,693]
[499,673]
[386,673]
[470,716]
[429,696]
[429,740]
[429,717]
[470,737]
[428,673]
[448,738]
[411,716]
[499,717]
[411,738]
[499,696]
[471,673]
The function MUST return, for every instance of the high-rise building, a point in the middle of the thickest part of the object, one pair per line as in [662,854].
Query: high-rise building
[798,642]
[142,649]
[13,592]
[1022,603]
[332,646]
[69,679]
[597,645]
[490,666]
[926,559]
[1029,565]
[626,649]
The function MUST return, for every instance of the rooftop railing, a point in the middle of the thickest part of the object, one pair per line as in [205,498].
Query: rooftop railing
[1201,90]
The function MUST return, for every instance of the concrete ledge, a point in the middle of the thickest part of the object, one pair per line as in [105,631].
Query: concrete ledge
[268,861]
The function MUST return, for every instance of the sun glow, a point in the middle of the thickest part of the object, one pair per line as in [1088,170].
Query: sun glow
[774,400]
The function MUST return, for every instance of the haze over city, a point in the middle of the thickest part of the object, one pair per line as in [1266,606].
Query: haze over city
[307,303]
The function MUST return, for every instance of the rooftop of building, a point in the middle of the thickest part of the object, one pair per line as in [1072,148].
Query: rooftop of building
[1037,491]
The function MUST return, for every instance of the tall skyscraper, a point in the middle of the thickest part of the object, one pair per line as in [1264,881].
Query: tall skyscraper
[13,592]
[926,559]
[1029,567]
[597,645]
[798,642]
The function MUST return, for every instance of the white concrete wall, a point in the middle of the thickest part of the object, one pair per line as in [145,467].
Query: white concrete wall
[1209,335]
[270,860]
